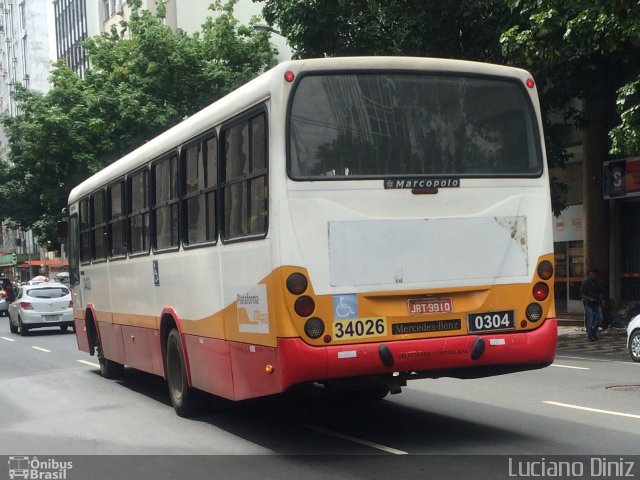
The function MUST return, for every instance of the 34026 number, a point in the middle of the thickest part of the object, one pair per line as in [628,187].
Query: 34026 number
[359,328]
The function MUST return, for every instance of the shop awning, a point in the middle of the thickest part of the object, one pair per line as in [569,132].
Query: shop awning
[48,263]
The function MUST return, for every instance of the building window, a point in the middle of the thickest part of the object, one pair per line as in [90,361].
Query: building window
[199,186]
[630,251]
[22,19]
[245,200]
[165,203]
[138,217]
[25,73]
[117,220]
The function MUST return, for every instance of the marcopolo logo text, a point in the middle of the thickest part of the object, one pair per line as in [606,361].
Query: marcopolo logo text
[422,183]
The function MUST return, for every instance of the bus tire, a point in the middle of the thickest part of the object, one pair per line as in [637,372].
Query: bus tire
[108,368]
[184,398]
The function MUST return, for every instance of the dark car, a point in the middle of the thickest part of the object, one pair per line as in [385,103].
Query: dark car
[7,295]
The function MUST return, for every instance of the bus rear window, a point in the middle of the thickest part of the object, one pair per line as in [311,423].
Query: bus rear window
[385,124]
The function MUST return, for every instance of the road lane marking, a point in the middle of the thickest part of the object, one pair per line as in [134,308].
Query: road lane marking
[41,349]
[595,410]
[8,339]
[569,366]
[356,440]
[91,364]
[601,360]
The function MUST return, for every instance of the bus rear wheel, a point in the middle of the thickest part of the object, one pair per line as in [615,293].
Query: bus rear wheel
[184,398]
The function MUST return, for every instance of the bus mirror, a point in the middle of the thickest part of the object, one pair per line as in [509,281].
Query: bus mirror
[62,230]
[63,226]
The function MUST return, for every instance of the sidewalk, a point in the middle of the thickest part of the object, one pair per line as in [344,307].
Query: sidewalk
[572,340]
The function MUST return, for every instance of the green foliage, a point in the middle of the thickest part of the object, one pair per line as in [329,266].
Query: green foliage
[585,49]
[626,136]
[467,29]
[576,49]
[137,87]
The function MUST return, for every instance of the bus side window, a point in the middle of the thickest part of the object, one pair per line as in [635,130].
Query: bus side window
[98,227]
[138,212]
[165,204]
[85,232]
[200,163]
[245,182]
[116,211]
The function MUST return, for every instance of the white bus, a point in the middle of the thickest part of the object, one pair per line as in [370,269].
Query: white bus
[347,222]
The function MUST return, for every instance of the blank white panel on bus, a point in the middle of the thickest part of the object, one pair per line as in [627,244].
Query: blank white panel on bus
[425,250]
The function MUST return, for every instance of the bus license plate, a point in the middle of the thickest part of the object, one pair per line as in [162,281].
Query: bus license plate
[489,321]
[423,306]
[360,328]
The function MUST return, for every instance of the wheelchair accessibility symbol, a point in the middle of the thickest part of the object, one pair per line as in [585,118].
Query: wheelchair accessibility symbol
[345,306]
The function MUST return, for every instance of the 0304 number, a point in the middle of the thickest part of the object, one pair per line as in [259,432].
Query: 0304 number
[479,322]
[359,328]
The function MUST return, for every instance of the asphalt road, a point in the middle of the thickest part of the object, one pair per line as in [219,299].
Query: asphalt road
[54,404]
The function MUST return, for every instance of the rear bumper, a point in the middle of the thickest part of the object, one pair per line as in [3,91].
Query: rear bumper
[48,324]
[468,356]
[37,319]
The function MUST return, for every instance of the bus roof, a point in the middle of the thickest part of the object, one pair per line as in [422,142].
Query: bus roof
[260,89]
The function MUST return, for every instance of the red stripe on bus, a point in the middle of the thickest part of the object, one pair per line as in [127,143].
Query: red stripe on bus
[302,363]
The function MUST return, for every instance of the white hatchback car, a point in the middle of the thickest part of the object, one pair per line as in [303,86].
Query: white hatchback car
[41,305]
[633,338]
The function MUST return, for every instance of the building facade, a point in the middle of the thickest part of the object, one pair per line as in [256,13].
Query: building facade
[24,52]
[568,227]
[77,20]
[188,15]
[74,22]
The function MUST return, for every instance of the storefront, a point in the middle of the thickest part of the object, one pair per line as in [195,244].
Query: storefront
[621,180]
[568,238]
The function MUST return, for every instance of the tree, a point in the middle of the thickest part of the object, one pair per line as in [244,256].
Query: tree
[587,50]
[136,88]
[467,29]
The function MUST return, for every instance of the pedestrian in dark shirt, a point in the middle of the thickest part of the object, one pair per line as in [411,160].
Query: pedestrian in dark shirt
[592,301]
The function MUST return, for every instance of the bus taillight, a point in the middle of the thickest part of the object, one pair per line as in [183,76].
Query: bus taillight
[304,306]
[533,312]
[545,270]
[297,283]
[314,327]
[540,291]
